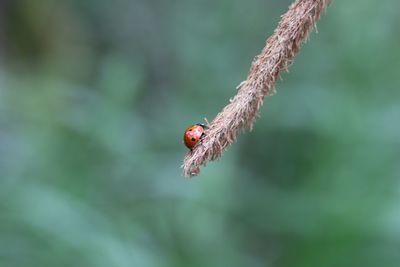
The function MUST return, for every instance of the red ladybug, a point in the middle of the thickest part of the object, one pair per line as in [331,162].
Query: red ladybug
[194,134]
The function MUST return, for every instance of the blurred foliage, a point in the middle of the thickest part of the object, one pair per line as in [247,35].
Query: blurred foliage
[94,97]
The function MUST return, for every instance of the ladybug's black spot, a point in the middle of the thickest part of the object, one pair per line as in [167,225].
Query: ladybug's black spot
[193,139]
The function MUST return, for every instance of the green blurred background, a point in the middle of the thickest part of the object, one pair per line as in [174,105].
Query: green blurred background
[94,98]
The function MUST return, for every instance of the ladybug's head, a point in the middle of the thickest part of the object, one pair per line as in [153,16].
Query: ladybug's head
[205,126]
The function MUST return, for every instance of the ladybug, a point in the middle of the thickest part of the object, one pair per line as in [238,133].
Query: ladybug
[194,134]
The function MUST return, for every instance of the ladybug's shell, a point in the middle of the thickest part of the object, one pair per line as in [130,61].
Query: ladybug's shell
[193,135]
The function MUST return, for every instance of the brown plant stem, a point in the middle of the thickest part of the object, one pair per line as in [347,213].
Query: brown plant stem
[279,51]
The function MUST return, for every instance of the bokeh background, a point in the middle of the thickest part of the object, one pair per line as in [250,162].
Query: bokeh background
[94,98]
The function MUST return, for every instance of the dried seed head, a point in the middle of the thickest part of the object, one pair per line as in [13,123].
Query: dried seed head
[277,55]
